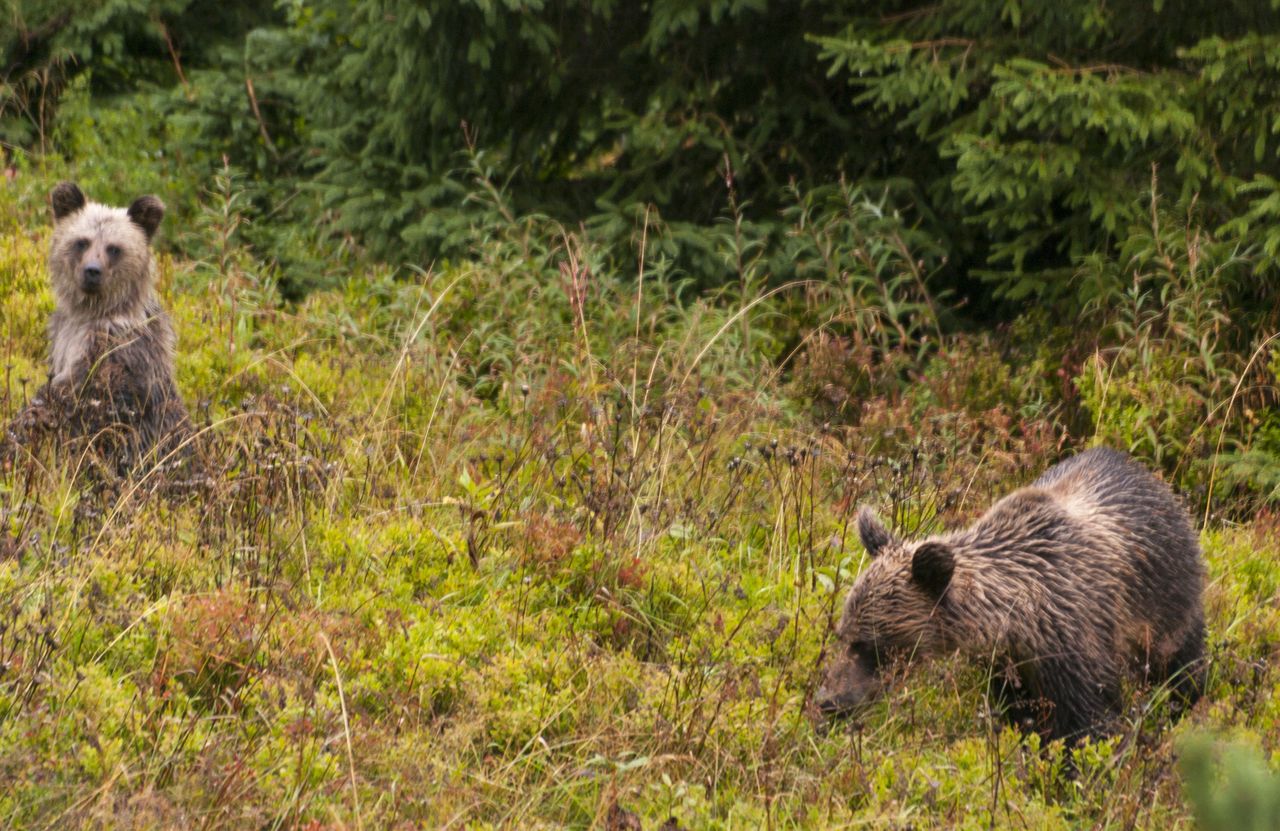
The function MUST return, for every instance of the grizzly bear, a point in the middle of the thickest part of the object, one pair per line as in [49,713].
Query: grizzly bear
[111,342]
[1089,577]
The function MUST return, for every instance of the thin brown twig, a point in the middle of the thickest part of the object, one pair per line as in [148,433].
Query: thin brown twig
[177,64]
[1064,67]
[936,43]
[257,113]
[910,14]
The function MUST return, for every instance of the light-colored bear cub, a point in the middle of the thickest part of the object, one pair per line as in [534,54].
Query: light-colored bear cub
[111,342]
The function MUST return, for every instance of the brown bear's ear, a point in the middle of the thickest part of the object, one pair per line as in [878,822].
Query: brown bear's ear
[874,535]
[67,198]
[932,566]
[146,212]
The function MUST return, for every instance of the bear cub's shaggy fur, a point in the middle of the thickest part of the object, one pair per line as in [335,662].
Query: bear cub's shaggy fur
[111,342]
[1087,578]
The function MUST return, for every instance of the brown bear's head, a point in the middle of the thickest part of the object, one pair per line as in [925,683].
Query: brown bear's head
[100,258]
[890,615]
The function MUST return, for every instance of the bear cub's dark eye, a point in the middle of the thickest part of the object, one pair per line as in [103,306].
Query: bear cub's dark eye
[81,245]
[113,251]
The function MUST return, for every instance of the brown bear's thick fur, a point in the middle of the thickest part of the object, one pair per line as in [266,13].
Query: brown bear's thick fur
[111,342]
[1090,576]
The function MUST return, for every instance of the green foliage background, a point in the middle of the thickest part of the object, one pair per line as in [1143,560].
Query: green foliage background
[549,346]
[1022,135]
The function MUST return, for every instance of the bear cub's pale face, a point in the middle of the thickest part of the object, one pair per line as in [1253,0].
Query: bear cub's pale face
[100,259]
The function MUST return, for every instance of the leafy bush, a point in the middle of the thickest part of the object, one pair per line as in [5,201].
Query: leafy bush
[1253,465]
[1230,788]
[1034,125]
[1171,342]
[618,105]
[124,42]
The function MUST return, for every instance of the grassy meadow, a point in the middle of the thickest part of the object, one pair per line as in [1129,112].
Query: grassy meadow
[520,540]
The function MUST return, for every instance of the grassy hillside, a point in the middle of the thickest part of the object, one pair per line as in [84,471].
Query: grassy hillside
[522,543]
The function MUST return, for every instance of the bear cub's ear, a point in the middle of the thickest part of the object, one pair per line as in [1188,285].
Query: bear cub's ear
[932,565]
[146,212]
[873,534]
[67,198]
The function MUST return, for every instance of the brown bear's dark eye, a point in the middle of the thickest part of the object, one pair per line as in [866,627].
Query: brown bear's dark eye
[113,251]
[866,652]
[81,245]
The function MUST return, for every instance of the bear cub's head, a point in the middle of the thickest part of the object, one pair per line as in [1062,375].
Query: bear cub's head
[890,616]
[100,258]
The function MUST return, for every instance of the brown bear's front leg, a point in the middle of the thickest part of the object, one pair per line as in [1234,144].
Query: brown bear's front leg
[1185,670]
[1080,704]
[1015,699]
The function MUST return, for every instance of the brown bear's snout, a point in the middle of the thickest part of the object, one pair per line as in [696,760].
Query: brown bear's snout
[836,703]
[845,688]
[91,278]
